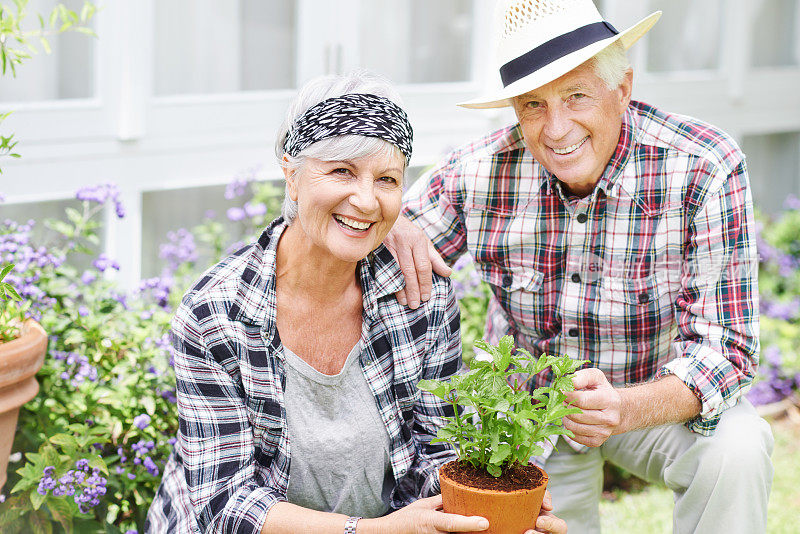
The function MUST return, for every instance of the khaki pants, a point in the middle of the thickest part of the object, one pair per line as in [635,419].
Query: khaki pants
[721,482]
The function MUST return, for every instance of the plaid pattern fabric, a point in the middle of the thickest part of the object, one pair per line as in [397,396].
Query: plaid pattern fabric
[654,273]
[231,462]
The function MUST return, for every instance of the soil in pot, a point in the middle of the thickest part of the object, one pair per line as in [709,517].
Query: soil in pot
[510,502]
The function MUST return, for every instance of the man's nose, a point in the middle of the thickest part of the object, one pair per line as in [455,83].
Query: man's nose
[557,123]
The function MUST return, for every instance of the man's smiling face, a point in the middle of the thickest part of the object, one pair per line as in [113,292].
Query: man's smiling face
[572,125]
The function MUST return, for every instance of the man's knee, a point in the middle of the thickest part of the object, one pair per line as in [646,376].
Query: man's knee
[741,446]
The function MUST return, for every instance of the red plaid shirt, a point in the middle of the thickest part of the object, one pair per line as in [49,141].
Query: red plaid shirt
[654,273]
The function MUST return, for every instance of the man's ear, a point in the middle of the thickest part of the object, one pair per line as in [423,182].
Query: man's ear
[625,90]
[290,174]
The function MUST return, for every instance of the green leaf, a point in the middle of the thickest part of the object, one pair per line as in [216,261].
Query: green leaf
[37,500]
[149,405]
[40,524]
[62,510]
[438,388]
[66,441]
[7,269]
[499,454]
[494,470]
[96,462]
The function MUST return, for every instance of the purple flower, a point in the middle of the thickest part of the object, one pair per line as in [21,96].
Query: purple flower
[792,203]
[83,311]
[88,277]
[151,466]
[141,421]
[254,210]
[131,531]
[235,214]
[103,262]
[100,194]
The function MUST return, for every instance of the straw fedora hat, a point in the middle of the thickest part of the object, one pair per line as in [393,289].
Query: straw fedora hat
[541,40]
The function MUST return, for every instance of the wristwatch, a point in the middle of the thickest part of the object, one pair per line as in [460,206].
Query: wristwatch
[350,525]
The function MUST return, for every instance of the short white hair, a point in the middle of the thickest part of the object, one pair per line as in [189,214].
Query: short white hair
[340,147]
[611,64]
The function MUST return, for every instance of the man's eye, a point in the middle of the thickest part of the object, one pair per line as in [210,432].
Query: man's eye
[341,170]
[577,96]
[388,179]
[533,104]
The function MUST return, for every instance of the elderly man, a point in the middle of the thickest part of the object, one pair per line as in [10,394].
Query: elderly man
[616,232]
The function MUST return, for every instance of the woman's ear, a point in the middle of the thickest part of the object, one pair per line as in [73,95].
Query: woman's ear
[290,173]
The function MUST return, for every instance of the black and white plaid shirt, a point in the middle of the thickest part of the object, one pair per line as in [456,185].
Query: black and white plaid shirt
[231,463]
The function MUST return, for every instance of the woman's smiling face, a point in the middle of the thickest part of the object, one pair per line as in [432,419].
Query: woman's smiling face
[346,208]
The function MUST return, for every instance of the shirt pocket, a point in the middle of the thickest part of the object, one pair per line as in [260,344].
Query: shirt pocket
[519,290]
[636,310]
[268,423]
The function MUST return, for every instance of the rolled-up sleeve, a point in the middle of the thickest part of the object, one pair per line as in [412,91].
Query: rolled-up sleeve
[716,351]
[215,436]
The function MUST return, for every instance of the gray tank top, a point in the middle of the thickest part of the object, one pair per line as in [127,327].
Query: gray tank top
[339,443]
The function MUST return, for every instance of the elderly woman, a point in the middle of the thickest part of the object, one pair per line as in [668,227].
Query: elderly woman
[296,366]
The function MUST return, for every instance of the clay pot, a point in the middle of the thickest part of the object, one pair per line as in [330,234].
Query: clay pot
[20,360]
[511,512]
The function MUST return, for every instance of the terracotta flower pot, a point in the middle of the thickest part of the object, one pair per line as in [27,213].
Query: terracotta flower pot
[20,360]
[508,512]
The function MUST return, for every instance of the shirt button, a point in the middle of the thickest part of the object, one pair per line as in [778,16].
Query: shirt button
[582,218]
[576,278]
[644,298]
[573,332]
[507,279]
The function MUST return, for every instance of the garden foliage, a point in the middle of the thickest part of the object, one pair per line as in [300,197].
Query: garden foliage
[506,423]
[779,291]
[92,445]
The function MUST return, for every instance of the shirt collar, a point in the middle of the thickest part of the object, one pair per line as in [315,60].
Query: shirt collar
[622,154]
[255,302]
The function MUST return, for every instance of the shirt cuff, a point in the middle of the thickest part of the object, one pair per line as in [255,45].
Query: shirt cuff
[248,514]
[698,372]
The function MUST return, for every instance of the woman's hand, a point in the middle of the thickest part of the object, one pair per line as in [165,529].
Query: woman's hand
[547,523]
[423,516]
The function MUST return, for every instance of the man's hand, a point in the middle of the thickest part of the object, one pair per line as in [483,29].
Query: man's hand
[417,258]
[602,408]
[608,411]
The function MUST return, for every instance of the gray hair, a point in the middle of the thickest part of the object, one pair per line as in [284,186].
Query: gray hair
[333,148]
[611,64]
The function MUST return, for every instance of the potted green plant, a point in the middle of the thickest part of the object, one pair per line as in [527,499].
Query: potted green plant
[23,344]
[497,426]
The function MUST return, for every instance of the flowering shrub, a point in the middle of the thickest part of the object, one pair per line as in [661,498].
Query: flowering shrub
[96,437]
[779,289]
[95,440]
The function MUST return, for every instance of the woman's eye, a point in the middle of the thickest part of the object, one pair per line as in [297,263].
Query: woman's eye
[341,170]
[388,180]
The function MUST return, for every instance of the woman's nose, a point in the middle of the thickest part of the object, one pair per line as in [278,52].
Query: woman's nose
[363,198]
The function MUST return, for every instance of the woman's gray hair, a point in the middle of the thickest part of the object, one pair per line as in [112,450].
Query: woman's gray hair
[611,64]
[339,147]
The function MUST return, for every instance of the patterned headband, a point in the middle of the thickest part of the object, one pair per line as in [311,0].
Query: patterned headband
[351,114]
